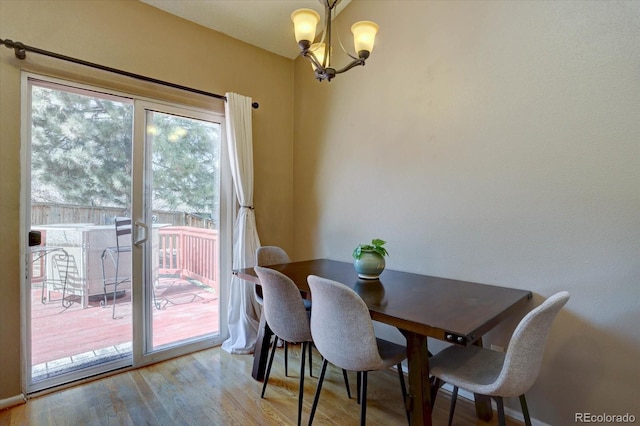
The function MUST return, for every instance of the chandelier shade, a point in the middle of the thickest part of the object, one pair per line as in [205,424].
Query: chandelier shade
[318,49]
[305,22]
[364,36]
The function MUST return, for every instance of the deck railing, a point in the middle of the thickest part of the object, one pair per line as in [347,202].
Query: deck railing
[189,252]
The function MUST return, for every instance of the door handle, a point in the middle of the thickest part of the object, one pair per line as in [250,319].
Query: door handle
[143,240]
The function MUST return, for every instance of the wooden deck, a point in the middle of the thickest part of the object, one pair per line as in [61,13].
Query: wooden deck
[188,310]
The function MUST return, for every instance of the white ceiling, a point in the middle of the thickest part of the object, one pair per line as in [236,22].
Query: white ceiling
[263,23]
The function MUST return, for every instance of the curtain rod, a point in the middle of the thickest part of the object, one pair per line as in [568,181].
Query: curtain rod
[21,50]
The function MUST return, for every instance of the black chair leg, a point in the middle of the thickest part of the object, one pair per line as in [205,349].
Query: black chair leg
[525,410]
[363,400]
[435,384]
[310,346]
[301,390]
[318,389]
[404,391]
[358,386]
[266,374]
[501,420]
[346,382]
[286,359]
[452,408]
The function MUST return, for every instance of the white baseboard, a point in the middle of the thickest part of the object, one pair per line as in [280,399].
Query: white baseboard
[14,400]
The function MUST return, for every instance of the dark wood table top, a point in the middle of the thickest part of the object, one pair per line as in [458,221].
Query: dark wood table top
[451,310]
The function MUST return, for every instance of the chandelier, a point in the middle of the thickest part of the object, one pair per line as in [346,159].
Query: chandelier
[319,54]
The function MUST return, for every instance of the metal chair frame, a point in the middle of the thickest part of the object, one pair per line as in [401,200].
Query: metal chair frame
[123,228]
[69,276]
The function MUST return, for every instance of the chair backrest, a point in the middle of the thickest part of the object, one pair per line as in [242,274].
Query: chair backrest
[283,307]
[271,255]
[523,357]
[67,269]
[268,255]
[341,326]
[123,229]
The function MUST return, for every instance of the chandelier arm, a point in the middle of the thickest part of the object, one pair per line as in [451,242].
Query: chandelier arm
[355,58]
[354,63]
[344,49]
[312,58]
[327,46]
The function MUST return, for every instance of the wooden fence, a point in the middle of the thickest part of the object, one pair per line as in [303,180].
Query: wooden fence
[51,213]
[188,248]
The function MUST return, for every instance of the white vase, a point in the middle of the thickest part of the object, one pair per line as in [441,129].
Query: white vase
[370,265]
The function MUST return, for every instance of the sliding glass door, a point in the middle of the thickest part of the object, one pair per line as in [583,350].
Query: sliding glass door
[183,181]
[129,198]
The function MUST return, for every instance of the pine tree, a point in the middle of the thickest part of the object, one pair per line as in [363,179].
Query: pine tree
[82,154]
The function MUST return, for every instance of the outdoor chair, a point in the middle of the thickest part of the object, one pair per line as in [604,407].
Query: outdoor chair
[113,253]
[69,280]
[500,374]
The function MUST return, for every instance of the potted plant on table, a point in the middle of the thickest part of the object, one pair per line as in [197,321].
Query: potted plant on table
[369,259]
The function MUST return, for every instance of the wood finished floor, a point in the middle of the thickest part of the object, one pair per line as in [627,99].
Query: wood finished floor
[212,387]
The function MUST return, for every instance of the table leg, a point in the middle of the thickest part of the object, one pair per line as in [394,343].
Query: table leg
[419,393]
[483,402]
[261,350]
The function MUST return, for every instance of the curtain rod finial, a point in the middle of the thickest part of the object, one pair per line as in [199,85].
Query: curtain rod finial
[19,48]
[255,105]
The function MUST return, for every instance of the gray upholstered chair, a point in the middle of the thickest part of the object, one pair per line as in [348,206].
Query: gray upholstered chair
[288,319]
[343,333]
[274,255]
[500,374]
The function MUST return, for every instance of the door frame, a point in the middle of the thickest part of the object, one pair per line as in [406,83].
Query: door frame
[141,269]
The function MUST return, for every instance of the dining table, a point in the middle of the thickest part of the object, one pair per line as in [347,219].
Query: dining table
[419,306]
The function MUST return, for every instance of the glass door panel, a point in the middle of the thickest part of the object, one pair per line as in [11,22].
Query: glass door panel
[184,241]
[80,182]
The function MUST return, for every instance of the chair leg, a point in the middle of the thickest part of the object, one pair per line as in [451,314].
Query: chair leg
[301,390]
[310,346]
[266,374]
[318,389]
[363,400]
[501,420]
[403,387]
[452,408]
[358,386]
[525,410]
[115,285]
[346,382]
[65,302]
[115,289]
[435,384]
[286,359]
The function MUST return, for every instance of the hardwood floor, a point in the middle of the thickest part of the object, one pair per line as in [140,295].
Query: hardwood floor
[212,387]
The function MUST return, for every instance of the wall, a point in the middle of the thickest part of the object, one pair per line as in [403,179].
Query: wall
[497,142]
[135,37]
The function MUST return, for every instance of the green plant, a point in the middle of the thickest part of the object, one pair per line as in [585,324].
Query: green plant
[376,246]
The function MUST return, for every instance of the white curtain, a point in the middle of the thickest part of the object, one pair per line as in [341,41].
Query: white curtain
[243,312]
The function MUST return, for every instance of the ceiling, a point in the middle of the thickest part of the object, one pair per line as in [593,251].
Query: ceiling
[263,23]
